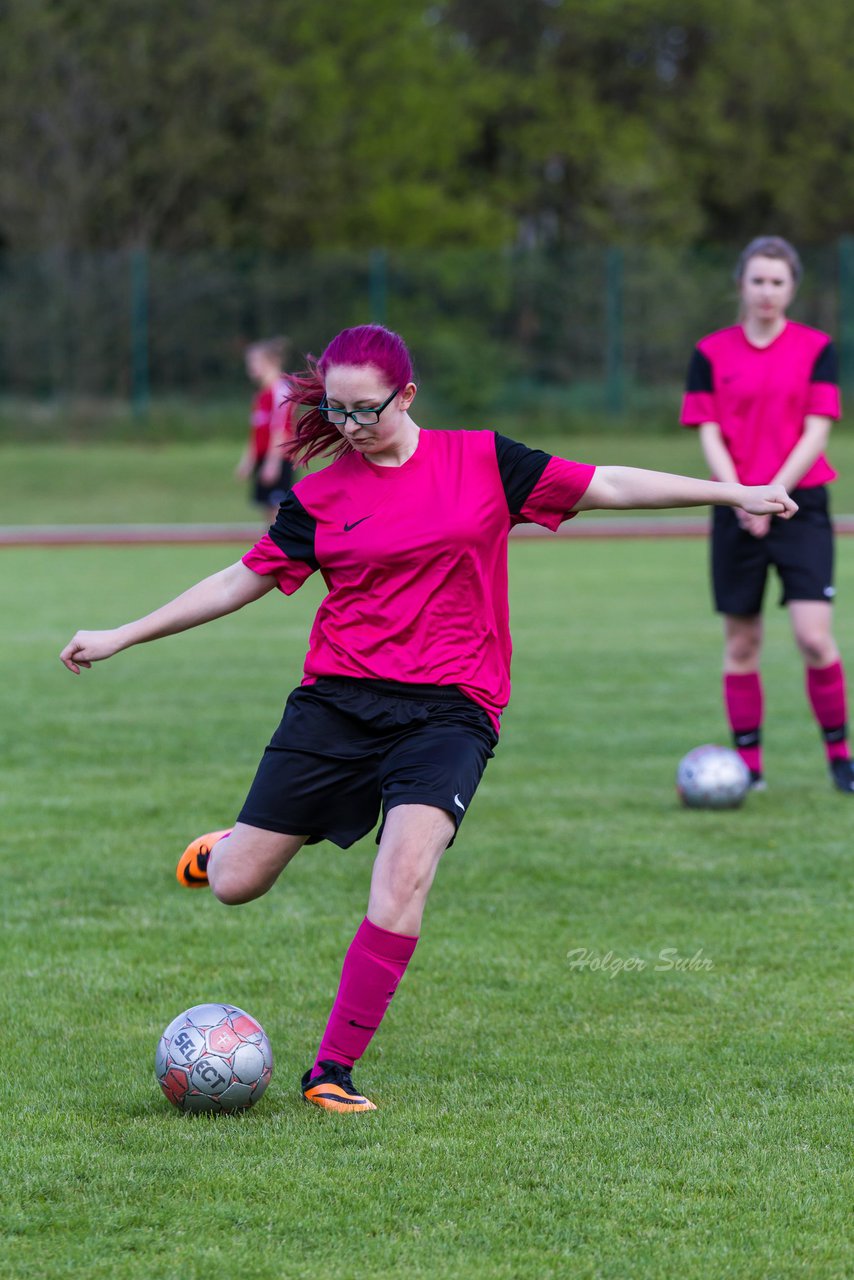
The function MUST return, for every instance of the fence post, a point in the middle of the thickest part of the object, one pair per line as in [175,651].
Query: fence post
[845,321]
[614,329]
[140,390]
[378,285]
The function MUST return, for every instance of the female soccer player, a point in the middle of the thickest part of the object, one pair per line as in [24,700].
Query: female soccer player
[407,671]
[763,394]
[265,459]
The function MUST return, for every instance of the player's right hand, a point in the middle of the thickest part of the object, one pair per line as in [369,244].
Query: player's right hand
[767,500]
[87,647]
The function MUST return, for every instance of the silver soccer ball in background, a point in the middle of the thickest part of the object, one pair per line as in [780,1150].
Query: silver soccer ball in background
[213,1057]
[711,777]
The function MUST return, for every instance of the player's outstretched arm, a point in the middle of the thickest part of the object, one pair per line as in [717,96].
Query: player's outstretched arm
[213,597]
[625,488]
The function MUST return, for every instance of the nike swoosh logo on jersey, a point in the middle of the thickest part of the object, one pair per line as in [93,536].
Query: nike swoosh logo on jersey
[348,527]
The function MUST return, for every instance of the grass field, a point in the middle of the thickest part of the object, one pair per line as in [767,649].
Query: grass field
[78,484]
[542,1113]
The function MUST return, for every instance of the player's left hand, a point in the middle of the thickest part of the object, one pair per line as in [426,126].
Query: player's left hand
[767,500]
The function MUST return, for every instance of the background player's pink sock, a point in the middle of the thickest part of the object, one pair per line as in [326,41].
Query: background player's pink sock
[826,692]
[743,702]
[373,966]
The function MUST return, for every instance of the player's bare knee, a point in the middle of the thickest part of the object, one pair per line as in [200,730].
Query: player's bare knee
[229,888]
[401,881]
[396,888]
[227,894]
[742,644]
[818,649]
[742,651]
[399,906]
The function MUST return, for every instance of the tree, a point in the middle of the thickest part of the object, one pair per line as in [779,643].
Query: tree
[656,121]
[462,122]
[213,124]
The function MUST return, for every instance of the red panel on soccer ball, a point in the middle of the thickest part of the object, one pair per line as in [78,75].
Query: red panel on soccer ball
[245,1026]
[175,1084]
[223,1039]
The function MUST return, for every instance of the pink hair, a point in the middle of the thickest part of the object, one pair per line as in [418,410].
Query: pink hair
[366,344]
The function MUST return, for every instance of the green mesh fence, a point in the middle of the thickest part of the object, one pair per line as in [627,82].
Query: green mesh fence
[568,332]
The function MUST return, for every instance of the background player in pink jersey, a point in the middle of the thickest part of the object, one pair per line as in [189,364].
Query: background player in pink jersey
[764,394]
[408,665]
[265,457]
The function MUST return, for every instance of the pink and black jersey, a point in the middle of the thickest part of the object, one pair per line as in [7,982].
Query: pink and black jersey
[415,558]
[760,396]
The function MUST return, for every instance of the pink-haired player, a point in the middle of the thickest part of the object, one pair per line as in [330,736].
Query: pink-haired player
[408,666]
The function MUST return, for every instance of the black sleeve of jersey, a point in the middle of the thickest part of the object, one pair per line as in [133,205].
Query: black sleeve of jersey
[826,367]
[293,531]
[520,469]
[700,376]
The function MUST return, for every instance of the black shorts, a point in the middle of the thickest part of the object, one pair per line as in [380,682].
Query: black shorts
[271,495]
[347,749]
[800,549]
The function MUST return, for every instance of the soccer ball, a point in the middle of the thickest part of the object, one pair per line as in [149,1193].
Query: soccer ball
[711,777]
[213,1057]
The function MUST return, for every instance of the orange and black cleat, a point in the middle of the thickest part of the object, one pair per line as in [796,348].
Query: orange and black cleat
[192,869]
[334,1090]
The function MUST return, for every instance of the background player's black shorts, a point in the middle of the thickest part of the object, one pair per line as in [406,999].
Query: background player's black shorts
[800,549]
[347,749]
[270,495]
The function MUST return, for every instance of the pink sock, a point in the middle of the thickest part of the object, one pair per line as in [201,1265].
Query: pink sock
[373,966]
[826,692]
[743,702]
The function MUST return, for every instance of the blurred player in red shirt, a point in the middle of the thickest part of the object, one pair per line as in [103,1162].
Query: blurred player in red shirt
[271,427]
[764,394]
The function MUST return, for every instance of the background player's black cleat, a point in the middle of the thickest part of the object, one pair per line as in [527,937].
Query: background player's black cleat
[757,782]
[842,775]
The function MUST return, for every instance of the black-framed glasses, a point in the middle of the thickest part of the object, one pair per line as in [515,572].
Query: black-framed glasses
[361,417]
